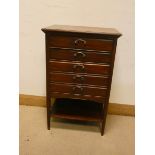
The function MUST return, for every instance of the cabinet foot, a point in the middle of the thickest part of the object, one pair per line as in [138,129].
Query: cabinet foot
[102,127]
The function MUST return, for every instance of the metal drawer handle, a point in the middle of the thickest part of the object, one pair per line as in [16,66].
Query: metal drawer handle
[81,67]
[76,88]
[81,78]
[79,40]
[80,54]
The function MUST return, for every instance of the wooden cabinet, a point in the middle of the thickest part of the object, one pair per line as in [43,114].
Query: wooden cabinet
[79,68]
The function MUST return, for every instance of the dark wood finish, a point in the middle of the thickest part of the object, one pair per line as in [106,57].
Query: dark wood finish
[79,68]
[80,43]
[48,97]
[79,79]
[83,29]
[78,90]
[80,55]
[105,109]
[98,99]
[57,66]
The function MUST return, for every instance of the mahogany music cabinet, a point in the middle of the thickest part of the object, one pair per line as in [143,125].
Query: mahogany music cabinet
[79,68]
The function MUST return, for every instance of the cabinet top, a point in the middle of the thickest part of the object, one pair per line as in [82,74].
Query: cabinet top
[82,29]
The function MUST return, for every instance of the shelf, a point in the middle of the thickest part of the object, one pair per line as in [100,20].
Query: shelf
[76,109]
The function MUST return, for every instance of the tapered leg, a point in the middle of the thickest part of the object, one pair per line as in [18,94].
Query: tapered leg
[104,115]
[48,103]
[103,127]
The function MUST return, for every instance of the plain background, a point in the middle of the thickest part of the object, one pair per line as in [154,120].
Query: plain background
[36,14]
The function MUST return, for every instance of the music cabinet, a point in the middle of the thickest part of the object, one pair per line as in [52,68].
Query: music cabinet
[79,68]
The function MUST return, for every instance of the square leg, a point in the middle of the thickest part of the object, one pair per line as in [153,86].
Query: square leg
[48,106]
[104,116]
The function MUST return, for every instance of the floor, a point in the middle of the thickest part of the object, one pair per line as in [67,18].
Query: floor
[74,138]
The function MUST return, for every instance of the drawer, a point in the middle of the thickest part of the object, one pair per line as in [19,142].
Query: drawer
[76,90]
[80,43]
[55,66]
[76,55]
[79,79]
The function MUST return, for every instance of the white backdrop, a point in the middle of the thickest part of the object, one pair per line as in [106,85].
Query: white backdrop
[36,14]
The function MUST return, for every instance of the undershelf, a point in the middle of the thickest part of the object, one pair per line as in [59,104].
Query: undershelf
[76,109]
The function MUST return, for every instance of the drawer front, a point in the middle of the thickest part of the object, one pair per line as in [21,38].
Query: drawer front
[80,43]
[82,56]
[79,79]
[76,90]
[55,66]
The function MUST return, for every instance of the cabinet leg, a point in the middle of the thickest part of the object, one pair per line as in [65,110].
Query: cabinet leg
[102,128]
[48,113]
[48,121]
[104,115]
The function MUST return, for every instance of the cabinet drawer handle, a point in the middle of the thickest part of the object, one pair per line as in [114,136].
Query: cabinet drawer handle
[78,77]
[76,88]
[79,54]
[79,40]
[81,67]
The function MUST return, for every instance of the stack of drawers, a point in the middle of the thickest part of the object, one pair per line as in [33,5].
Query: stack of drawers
[79,65]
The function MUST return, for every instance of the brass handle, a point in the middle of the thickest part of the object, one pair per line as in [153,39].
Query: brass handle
[81,78]
[81,54]
[76,88]
[79,40]
[81,67]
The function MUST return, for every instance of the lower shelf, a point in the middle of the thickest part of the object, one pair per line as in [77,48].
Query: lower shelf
[76,109]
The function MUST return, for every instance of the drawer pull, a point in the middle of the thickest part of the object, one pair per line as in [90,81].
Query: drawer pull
[77,89]
[79,54]
[81,67]
[78,77]
[79,41]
